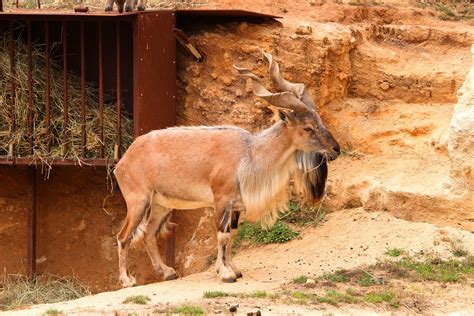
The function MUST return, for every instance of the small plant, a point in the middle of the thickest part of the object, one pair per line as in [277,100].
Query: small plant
[459,252]
[52,311]
[188,310]
[336,277]
[300,280]
[214,294]
[366,279]
[380,297]
[337,297]
[303,215]
[394,252]
[255,234]
[258,294]
[137,299]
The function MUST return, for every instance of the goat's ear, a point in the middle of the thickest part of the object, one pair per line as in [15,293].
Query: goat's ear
[287,117]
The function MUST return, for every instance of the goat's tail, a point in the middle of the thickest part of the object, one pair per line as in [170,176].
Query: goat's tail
[139,232]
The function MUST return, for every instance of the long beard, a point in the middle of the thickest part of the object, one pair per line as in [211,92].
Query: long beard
[314,172]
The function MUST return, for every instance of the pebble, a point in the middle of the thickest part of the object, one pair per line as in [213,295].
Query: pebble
[304,30]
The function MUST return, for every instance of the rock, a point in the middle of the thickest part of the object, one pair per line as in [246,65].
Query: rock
[310,281]
[384,86]
[304,30]
[233,308]
[243,27]
[461,138]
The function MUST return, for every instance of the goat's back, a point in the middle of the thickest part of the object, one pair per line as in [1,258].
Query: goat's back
[182,162]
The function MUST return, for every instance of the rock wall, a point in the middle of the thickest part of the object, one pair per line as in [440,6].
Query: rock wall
[461,138]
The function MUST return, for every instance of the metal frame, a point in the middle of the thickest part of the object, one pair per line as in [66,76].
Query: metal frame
[153,85]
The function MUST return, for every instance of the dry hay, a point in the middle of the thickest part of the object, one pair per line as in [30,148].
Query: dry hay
[53,133]
[17,291]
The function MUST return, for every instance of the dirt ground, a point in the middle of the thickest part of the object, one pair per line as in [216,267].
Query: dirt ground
[348,239]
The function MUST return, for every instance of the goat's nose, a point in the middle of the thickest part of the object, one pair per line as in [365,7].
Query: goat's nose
[337,149]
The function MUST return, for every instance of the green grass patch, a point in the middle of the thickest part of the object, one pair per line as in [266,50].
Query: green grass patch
[214,294]
[17,291]
[188,310]
[137,299]
[255,234]
[52,311]
[302,215]
[394,252]
[382,297]
[453,270]
[300,280]
[460,252]
[366,279]
[258,294]
[339,276]
[334,297]
[331,297]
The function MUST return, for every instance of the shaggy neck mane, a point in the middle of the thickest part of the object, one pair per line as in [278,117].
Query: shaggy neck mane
[263,176]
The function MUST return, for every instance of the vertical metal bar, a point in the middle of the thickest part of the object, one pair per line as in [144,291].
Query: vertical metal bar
[171,243]
[48,82]
[17,4]
[83,93]
[31,244]
[65,97]
[101,92]
[30,88]
[12,87]
[1,5]
[119,92]
[39,4]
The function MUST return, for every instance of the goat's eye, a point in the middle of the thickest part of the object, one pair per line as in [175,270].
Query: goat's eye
[308,129]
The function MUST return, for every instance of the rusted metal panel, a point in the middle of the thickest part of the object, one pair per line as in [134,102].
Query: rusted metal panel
[119,91]
[31,247]
[11,150]
[101,89]
[41,15]
[59,162]
[83,91]
[154,71]
[65,87]
[48,80]
[30,89]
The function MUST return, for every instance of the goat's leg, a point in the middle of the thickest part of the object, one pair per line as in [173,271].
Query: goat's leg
[224,266]
[155,226]
[136,208]
[109,6]
[141,5]
[228,254]
[128,6]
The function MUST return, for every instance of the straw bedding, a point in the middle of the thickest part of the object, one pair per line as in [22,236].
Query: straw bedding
[54,134]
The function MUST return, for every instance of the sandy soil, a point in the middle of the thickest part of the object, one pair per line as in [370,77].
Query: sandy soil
[348,239]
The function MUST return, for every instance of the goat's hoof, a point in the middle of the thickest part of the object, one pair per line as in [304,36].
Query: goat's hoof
[238,274]
[120,8]
[128,281]
[141,8]
[108,8]
[170,274]
[128,8]
[230,279]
